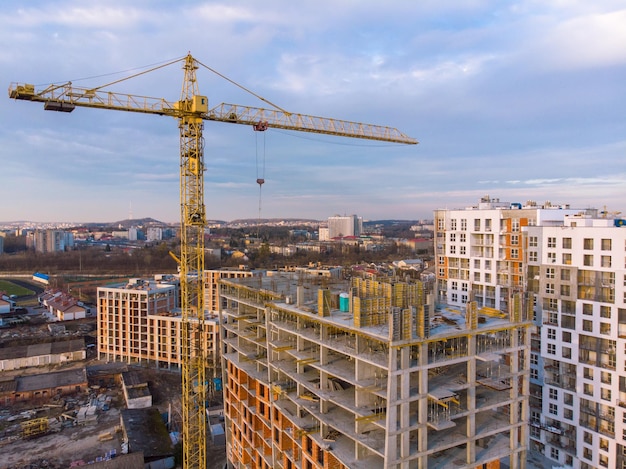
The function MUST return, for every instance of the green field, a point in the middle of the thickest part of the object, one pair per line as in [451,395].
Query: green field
[12,289]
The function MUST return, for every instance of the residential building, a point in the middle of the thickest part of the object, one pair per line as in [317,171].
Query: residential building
[123,310]
[576,270]
[211,284]
[479,253]
[320,372]
[141,321]
[53,240]
[343,226]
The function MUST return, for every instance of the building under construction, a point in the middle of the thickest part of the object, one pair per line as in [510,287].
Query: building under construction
[330,373]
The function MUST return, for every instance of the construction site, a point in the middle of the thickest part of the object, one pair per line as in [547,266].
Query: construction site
[362,373]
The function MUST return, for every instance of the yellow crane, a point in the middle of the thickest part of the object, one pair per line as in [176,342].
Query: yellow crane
[191,111]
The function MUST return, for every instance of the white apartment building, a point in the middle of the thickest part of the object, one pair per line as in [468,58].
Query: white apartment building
[577,273]
[479,253]
[342,226]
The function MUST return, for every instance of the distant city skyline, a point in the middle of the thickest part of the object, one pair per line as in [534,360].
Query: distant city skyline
[518,101]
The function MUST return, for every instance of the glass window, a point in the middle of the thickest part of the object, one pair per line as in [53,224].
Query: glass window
[567,243]
[588,243]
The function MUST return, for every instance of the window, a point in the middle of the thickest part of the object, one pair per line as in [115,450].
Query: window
[455,285]
[605,312]
[552,257]
[534,373]
[606,244]
[532,256]
[587,309]
[515,225]
[453,249]
[514,240]
[534,359]
[566,352]
[551,349]
[553,409]
[567,259]
[453,224]
[455,297]
[605,261]
[462,238]
[567,337]
[588,260]
[463,224]
[487,264]
[554,394]
[476,224]
[605,328]
[551,334]
[588,243]
[549,288]
[587,325]
[532,241]
[514,253]
[453,237]
[463,299]
[476,276]
[568,398]
[565,275]
[488,224]
[567,243]
[463,286]
[477,263]
[551,242]
[550,272]
[588,389]
[462,251]
[554,453]
[565,290]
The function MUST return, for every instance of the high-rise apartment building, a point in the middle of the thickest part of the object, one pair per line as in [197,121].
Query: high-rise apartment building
[342,226]
[479,250]
[53,240]
[328,373]
[123,310]
[140,321]
[576,270]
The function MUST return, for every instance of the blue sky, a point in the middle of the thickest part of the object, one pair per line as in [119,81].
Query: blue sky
[519,100]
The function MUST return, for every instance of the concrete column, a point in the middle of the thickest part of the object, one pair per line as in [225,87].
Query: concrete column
[471,398]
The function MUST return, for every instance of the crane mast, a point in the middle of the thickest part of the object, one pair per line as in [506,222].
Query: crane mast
[192,221]
[191,112]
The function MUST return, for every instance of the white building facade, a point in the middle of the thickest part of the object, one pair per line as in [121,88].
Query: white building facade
[577,274]
[342,226]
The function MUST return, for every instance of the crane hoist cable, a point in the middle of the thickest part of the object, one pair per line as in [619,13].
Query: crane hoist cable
[260,164]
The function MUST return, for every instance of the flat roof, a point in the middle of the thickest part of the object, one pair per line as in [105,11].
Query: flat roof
[146,432]
[48,348]
[72,377]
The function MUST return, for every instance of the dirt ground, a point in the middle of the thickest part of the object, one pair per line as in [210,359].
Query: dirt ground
[59,450]
[74,443]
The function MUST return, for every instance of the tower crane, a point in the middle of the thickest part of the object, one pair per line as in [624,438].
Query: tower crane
[191,111]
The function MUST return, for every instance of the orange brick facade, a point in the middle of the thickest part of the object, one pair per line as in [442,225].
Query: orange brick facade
[260,432]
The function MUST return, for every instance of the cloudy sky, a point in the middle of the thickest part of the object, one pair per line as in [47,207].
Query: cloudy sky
[518,100]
